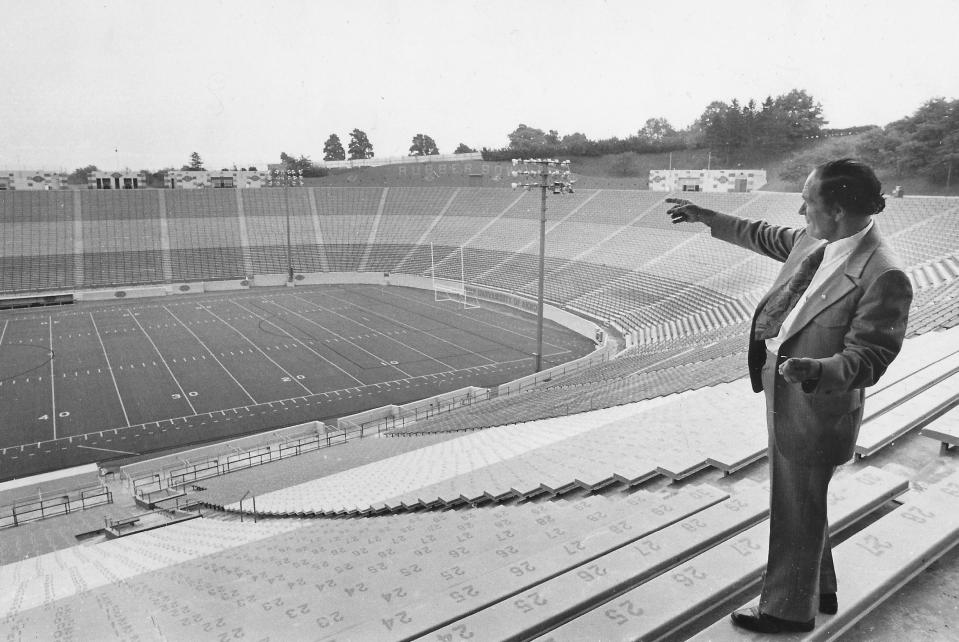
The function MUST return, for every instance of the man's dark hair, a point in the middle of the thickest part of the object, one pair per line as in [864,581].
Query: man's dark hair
[851,185]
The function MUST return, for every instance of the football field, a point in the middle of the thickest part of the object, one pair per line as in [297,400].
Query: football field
[95,381]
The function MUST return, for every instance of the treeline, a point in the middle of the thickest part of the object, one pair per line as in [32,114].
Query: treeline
[926,143]
[923,145]
[776,125]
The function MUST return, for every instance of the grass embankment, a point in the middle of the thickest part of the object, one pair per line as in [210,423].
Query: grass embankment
[629,170]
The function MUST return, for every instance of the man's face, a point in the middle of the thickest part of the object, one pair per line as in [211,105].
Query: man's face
[821,222]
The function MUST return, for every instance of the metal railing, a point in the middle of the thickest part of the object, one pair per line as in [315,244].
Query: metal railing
[245,495]
[35,509]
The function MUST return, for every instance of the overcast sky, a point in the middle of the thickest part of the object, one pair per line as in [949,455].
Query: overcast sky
[142,84]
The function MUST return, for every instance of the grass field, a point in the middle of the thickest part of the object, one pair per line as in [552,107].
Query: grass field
[97,381]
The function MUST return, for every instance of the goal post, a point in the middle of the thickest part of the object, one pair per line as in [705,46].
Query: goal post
[451,288]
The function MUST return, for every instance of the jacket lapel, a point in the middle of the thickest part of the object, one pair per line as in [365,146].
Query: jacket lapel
[839,284]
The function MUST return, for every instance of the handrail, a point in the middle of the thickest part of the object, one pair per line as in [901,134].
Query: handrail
[29,511]
[254,505]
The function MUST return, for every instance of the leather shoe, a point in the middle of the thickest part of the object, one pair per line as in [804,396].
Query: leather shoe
[752,619]
[828,603]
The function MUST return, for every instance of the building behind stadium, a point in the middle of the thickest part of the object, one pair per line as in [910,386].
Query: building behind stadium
[706,180]
[32,180]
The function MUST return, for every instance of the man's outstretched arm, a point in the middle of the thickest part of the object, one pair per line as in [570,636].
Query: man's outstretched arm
[773,241]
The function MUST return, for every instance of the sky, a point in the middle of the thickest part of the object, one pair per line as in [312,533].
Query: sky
[141,85]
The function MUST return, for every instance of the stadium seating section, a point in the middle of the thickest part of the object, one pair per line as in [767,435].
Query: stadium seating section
[581,510]
[611,254]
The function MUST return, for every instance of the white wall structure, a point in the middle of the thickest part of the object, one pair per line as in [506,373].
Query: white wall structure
[38,179]
[116,180]
[234,178]
[706,180]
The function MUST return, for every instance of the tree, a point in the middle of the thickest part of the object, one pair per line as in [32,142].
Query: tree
[333,149]
[525,137]
[552,138]
[196,163]
[764,126]
[656,129]
[463,148]
[303,164]
[801,115]
[360,146]
[926,142]
[878,148]
[777,125]
[79,175]
[423,145]
[796,168]
[576,138]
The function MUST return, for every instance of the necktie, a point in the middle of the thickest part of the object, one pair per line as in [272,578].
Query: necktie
[779,305]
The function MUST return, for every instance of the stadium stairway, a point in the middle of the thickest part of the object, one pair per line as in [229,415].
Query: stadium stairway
[686,597]
[405,576]
[73,571]
[546,457]
[671,437]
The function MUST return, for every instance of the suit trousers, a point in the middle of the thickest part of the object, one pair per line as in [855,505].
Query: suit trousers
[800,564]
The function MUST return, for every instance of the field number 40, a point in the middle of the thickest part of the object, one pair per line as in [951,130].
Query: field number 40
[61,415]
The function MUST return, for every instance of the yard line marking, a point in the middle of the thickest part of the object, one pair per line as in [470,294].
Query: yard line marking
[480,321]
[53,395]
[227,324]
[316,401]
[230,374]
[110,369]
[347,373]
[405,325]
[175,380]
[4,332]
[385,335]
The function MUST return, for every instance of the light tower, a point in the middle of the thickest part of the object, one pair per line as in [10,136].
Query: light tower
[286,179]
[553,176]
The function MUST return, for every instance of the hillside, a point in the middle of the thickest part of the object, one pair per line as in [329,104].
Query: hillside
[618,171]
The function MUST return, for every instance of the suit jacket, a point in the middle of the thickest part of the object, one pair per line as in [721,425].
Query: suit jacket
[854,327]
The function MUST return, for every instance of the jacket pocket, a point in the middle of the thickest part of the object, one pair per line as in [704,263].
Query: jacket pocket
[835,403]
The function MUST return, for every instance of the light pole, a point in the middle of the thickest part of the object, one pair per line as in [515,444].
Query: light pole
[553,175]
[287,179]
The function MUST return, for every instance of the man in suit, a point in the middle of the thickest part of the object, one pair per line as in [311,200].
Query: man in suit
[832,323]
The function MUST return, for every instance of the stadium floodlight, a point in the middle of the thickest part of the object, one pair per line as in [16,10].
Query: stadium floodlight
[554,176]
[289,178]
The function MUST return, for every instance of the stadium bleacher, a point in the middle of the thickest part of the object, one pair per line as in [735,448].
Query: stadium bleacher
[618,501]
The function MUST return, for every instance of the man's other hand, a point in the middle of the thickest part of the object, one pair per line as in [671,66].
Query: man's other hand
[684,211]
[798,370]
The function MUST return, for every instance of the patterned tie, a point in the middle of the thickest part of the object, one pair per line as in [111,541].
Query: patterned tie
[779,305]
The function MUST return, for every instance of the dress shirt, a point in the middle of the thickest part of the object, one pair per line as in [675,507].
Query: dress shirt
[833,260]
